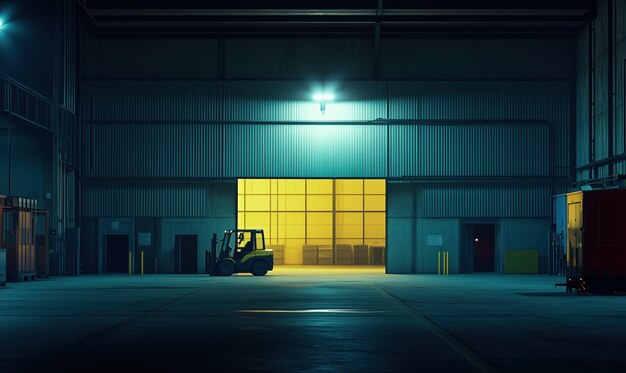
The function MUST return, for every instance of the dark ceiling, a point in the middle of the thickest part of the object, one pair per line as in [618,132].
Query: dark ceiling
[389,18]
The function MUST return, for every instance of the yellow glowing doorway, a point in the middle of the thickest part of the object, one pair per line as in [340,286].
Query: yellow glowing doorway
[336,222]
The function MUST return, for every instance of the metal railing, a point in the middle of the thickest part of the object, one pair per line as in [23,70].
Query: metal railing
[33,109]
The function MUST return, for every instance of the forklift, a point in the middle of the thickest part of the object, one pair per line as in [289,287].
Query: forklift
[247,253]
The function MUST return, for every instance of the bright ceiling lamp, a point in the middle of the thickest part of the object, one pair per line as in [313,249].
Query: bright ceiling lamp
[322,98]
[1,23]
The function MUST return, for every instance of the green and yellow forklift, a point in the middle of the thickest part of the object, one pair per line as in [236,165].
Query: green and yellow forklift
[241,251]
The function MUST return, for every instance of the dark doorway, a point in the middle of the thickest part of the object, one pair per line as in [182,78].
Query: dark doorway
[483,247]
[186,253]
[116,253]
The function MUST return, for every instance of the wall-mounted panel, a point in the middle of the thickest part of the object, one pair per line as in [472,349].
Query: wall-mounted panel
[469,150]
[293,101]
[122,101]
[160,199]
[153,150]
[305,151]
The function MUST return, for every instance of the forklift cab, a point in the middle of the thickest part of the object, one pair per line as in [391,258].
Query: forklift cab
[246,242]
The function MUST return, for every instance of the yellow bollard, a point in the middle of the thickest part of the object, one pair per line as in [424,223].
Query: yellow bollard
[438,262]
[142,262]
[130,262]
[446,263]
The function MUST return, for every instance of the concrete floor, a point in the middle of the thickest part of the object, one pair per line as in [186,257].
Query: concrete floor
[309,320]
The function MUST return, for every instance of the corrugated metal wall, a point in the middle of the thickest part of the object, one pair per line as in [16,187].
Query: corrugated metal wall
[470,150]
[293,101]
[599,92]
[306,151]
[503,102]
[159,199]
[153,150]
[484,201]
[231,129]
[130,101]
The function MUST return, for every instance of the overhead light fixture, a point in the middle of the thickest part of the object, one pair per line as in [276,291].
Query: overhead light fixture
[322,98]
[1,23]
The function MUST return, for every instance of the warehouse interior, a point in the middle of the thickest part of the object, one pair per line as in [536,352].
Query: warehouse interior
[422,172]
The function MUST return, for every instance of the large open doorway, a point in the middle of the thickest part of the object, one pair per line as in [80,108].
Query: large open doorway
[317,222]
[116,253]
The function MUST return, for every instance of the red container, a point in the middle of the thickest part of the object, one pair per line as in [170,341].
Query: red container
[596,240]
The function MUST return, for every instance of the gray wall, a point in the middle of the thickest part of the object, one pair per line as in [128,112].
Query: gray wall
[409,223]
[200,209]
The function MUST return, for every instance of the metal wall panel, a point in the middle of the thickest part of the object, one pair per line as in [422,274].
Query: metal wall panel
[293,101]
[487,101]
[68,96]
[154,150]
[476,58]
[484,201]
[305,151]
[160,199]
[295,58]
[600,94]
[469,150]
[125,101]
[465,200]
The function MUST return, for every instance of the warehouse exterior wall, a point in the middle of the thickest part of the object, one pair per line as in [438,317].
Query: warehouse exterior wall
[472,149]
[410,221]
[184,113]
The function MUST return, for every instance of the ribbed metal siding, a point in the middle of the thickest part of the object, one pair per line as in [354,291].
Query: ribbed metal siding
[290,101]
[152,200]
[582,100]
[493,101]
[481,201]
[469,150]
[305,150]
[155,150]
[150,101]
[69,56]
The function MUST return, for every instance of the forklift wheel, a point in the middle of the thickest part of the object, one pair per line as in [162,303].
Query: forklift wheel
[225,268]
[259,268]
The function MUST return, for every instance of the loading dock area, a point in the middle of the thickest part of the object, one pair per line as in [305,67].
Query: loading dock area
[287,322]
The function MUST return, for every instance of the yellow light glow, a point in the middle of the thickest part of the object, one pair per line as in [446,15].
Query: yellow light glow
[326,212]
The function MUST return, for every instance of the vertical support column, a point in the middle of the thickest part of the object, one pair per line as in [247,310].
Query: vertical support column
[611,83]
[591,104]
